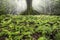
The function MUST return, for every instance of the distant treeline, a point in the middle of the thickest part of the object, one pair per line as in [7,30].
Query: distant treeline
[6,8]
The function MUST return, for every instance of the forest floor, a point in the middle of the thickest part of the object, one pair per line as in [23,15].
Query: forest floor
[29,27]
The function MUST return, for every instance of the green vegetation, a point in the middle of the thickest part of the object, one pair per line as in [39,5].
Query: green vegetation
[30,25]
[20,27]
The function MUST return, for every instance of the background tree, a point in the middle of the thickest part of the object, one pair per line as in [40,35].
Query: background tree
[30,10]
[57,8]
[29,7]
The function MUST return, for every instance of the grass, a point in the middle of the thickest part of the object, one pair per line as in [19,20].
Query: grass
[31,27]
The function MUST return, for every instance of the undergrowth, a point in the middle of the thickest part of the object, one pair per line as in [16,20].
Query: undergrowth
[38,27]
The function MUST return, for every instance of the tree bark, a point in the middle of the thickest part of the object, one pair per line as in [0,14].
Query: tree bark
[29,6]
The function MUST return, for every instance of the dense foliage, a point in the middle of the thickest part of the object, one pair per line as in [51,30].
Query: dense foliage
[19,27]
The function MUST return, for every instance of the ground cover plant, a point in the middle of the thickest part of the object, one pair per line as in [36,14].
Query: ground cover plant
[31,27]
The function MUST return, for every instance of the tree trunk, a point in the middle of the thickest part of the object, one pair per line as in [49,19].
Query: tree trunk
[30,10]
[29,6]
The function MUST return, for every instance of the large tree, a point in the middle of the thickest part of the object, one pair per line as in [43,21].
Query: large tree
[29,6]
[30,10]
